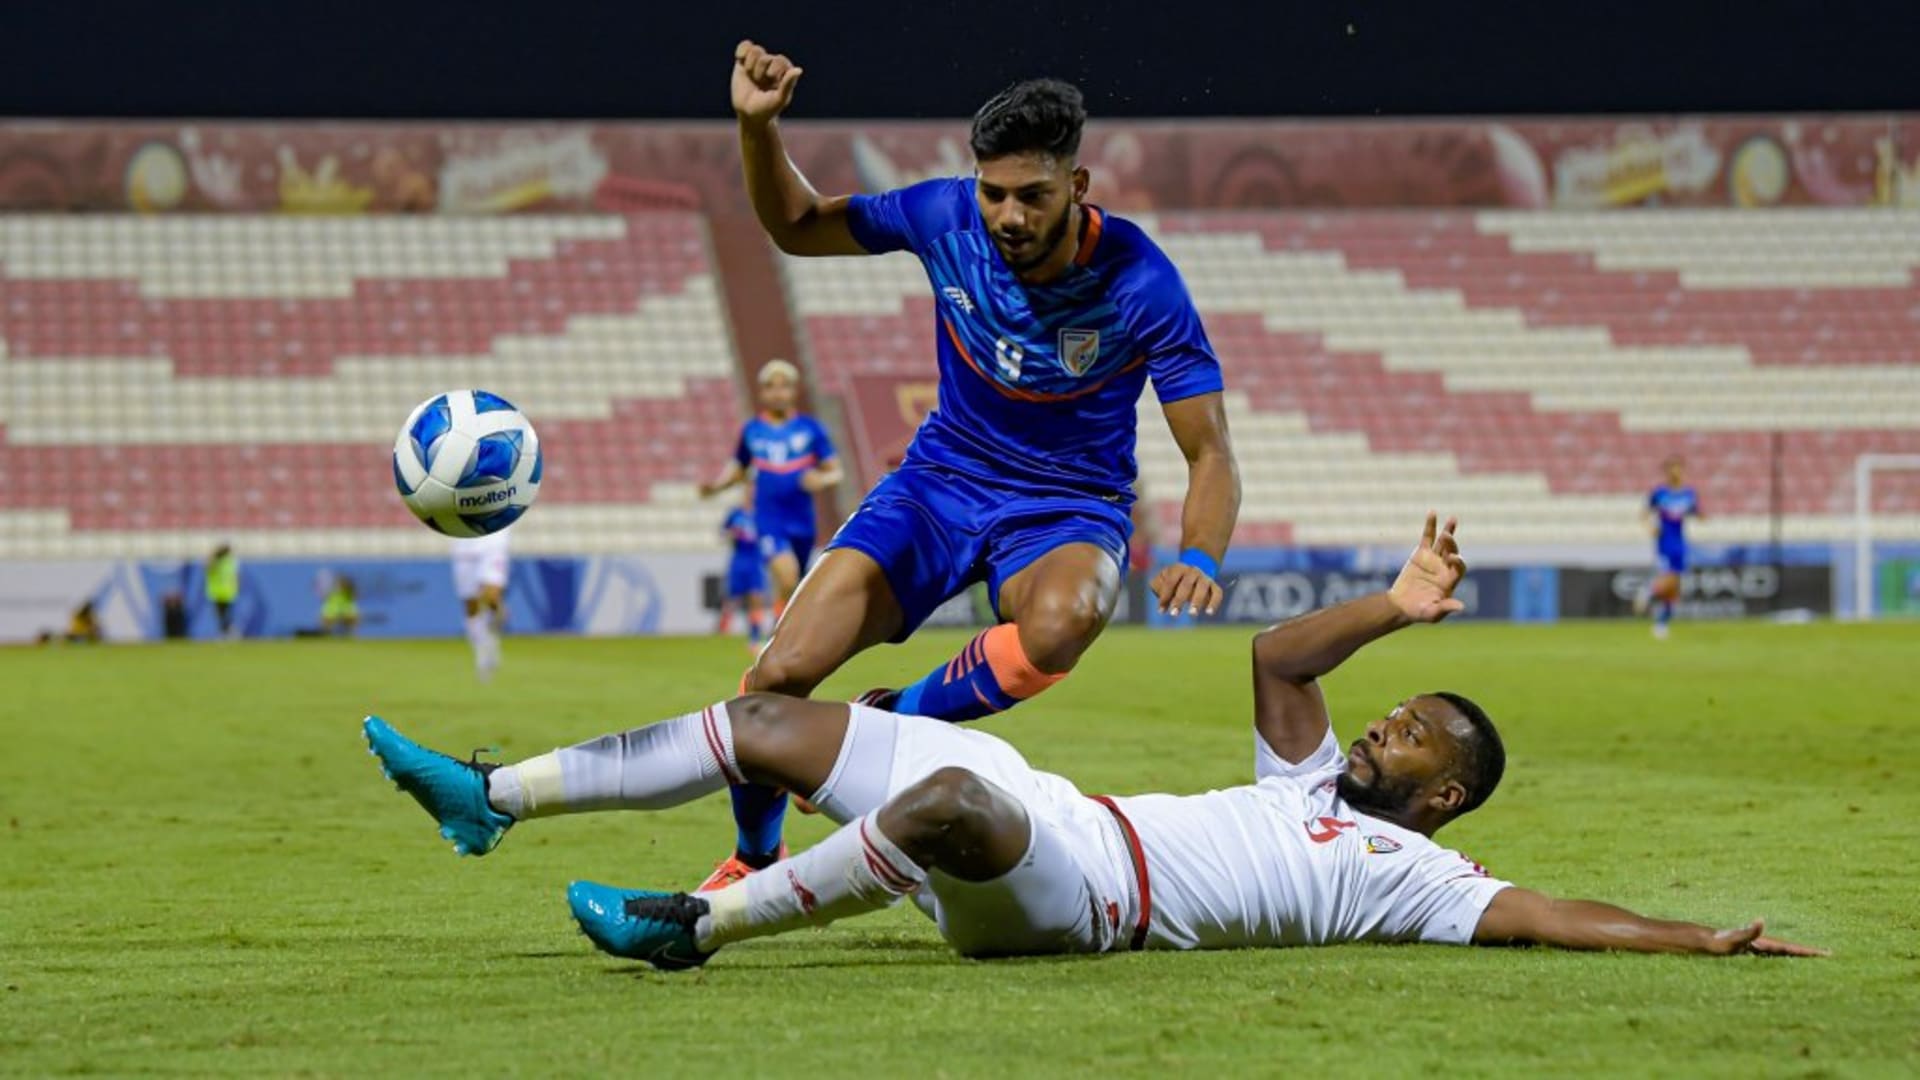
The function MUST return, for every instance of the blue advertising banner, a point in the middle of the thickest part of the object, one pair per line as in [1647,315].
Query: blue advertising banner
[396,597]
[1268,585]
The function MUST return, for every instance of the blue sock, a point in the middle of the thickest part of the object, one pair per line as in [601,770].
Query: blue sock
[759,812]
[753,630]
[1663,614]
[966,688]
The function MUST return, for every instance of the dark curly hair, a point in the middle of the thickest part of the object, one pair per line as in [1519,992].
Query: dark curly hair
[1034,116]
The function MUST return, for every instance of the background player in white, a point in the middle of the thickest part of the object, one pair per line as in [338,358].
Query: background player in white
[480,569]
[1323,848]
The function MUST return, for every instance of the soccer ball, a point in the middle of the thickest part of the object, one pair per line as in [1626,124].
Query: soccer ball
[467,463]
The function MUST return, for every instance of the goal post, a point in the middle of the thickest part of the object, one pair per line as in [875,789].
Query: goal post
[1864,575]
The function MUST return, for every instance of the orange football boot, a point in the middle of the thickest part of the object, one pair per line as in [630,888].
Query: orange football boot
[732,870]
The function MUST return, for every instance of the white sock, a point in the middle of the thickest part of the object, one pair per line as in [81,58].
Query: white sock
[651,768]
[491,635]
[477,637]
[856,870]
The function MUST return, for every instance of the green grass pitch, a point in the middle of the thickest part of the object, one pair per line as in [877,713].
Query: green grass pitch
[202,871]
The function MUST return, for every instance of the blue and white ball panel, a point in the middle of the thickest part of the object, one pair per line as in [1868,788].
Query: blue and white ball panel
[467,463]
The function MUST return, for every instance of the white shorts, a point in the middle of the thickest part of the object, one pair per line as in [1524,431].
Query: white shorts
[472,572]
[1073,891]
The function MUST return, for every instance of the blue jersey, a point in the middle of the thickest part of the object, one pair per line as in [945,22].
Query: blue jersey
[1674,505]
[780,452]
[740,529]
[1039,383]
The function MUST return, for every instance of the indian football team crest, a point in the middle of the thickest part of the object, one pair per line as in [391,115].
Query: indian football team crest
[1079,349]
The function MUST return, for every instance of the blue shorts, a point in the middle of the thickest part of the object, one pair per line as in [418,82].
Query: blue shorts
[777,539]
[745,575]
[936,532]
[1670,560]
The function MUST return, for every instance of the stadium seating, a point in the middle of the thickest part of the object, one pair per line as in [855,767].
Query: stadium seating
[1526,370]
[167,383]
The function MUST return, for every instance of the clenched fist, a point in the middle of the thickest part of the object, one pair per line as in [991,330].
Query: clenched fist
[762,82]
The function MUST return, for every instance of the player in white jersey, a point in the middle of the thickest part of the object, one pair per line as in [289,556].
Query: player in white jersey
[1323,847]
[480,568]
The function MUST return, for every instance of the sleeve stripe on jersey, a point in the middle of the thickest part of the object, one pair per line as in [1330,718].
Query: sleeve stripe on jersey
[1030,395]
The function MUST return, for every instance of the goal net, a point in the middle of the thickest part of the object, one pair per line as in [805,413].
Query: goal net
[1886,536]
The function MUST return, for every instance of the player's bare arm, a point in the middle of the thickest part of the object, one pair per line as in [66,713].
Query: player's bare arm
[798,219]
[1199,426]
[1526,917]
[731,476]
[827,475]
[1288,660]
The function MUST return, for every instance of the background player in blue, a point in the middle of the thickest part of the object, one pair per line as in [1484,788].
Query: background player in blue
[789,457]
[1051,316]
[746,573]
[1666,513]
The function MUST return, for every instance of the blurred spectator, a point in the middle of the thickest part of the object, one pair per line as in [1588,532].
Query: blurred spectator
[223,586]
[85,625]
[340,613]
[173,614]
[82,628]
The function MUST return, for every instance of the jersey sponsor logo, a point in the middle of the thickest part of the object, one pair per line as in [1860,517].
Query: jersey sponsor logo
[1328,829]
[1079,349]
[959,297]
[1382,845]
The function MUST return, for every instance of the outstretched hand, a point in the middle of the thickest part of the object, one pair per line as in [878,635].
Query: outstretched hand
[763,82]
[1750,939]
[1181,584]
[1424,590]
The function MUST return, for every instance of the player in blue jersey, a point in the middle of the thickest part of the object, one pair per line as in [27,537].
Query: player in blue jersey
[1051,318]
[788,456]
[1666,512]
[746,573]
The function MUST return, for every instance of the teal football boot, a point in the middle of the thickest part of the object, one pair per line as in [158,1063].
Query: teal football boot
[453,791]
[639,924]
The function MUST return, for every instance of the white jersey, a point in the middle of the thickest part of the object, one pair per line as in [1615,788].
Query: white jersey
[1285,861]
[478,561]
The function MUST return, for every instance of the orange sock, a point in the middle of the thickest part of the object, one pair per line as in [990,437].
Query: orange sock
[1011,668]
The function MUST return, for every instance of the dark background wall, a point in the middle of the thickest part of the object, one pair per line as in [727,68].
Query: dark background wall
[940,58]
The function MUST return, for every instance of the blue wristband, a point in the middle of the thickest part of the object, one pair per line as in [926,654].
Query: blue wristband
[1202,562]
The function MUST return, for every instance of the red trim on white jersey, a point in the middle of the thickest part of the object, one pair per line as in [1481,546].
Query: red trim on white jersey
[1140,924]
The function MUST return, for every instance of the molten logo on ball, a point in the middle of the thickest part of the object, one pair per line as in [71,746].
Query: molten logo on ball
[467,463]
[468,502]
